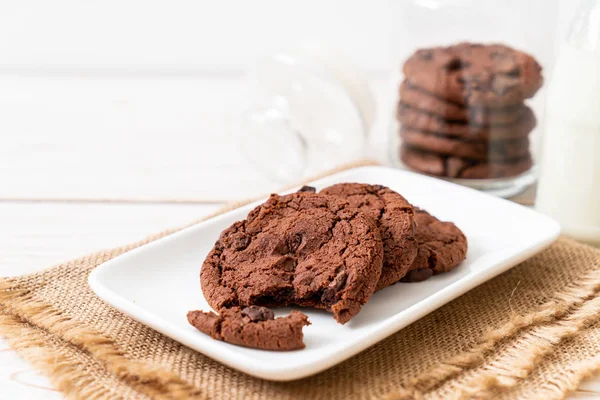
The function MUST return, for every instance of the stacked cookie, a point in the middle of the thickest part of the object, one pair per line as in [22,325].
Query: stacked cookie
[462,112]
[329,250]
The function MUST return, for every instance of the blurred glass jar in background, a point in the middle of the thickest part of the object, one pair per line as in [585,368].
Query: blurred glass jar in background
[311,111]
[469,92]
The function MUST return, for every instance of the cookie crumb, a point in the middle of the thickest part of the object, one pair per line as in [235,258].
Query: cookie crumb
[253,326]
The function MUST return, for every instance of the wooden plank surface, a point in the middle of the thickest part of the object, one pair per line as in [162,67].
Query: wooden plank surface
[120,138]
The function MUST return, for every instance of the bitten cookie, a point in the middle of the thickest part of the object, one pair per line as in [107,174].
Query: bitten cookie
[427,103]
[252,327]
[442,246]
[411,118]
[394,216]
[455,167]
[481,150]
[472,74]
[303,248]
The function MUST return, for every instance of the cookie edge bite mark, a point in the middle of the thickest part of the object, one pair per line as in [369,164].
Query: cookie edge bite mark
[349,302]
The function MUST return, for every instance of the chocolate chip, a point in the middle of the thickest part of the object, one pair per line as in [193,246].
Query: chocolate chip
[219,244]
[256,313]
[418,275]
[425,54]
[329,296]
[309,189]
[294,243]
[456,64]
[241,242]
[514,73]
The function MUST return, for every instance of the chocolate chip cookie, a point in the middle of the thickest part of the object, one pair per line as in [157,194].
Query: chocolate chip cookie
[481,150]
[414,119]
[252,326]
[473,74]
[303,248]
[422,101]
[394,216]
[442,246]
[456,167]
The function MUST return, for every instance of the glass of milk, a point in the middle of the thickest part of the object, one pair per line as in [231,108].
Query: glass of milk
[569,185]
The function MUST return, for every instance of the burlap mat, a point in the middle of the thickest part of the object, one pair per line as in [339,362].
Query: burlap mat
[533,332]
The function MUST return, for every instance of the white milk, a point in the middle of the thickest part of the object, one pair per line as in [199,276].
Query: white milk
[569,185]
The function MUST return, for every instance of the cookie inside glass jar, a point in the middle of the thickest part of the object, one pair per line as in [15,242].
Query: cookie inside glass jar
[462,111]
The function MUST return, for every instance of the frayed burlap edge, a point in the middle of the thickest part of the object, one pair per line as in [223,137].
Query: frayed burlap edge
[19,305]
[563,317]
[71,373]
[63,374]
[558,319]
[568,313]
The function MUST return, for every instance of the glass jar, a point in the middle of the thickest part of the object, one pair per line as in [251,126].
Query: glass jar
[469,92]
[311,110]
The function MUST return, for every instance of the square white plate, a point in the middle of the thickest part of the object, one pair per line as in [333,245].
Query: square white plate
[158,283]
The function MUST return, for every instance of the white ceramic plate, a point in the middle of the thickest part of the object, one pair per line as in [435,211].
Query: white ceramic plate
[158,283]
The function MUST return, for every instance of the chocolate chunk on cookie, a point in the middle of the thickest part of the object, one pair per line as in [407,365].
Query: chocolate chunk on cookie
[422,101]
[471,74]
[442,246]
[252,326]
[394,216]
[414,119]
[456,167]
[307,189]
[482,150]
[257,313]
[303,248]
